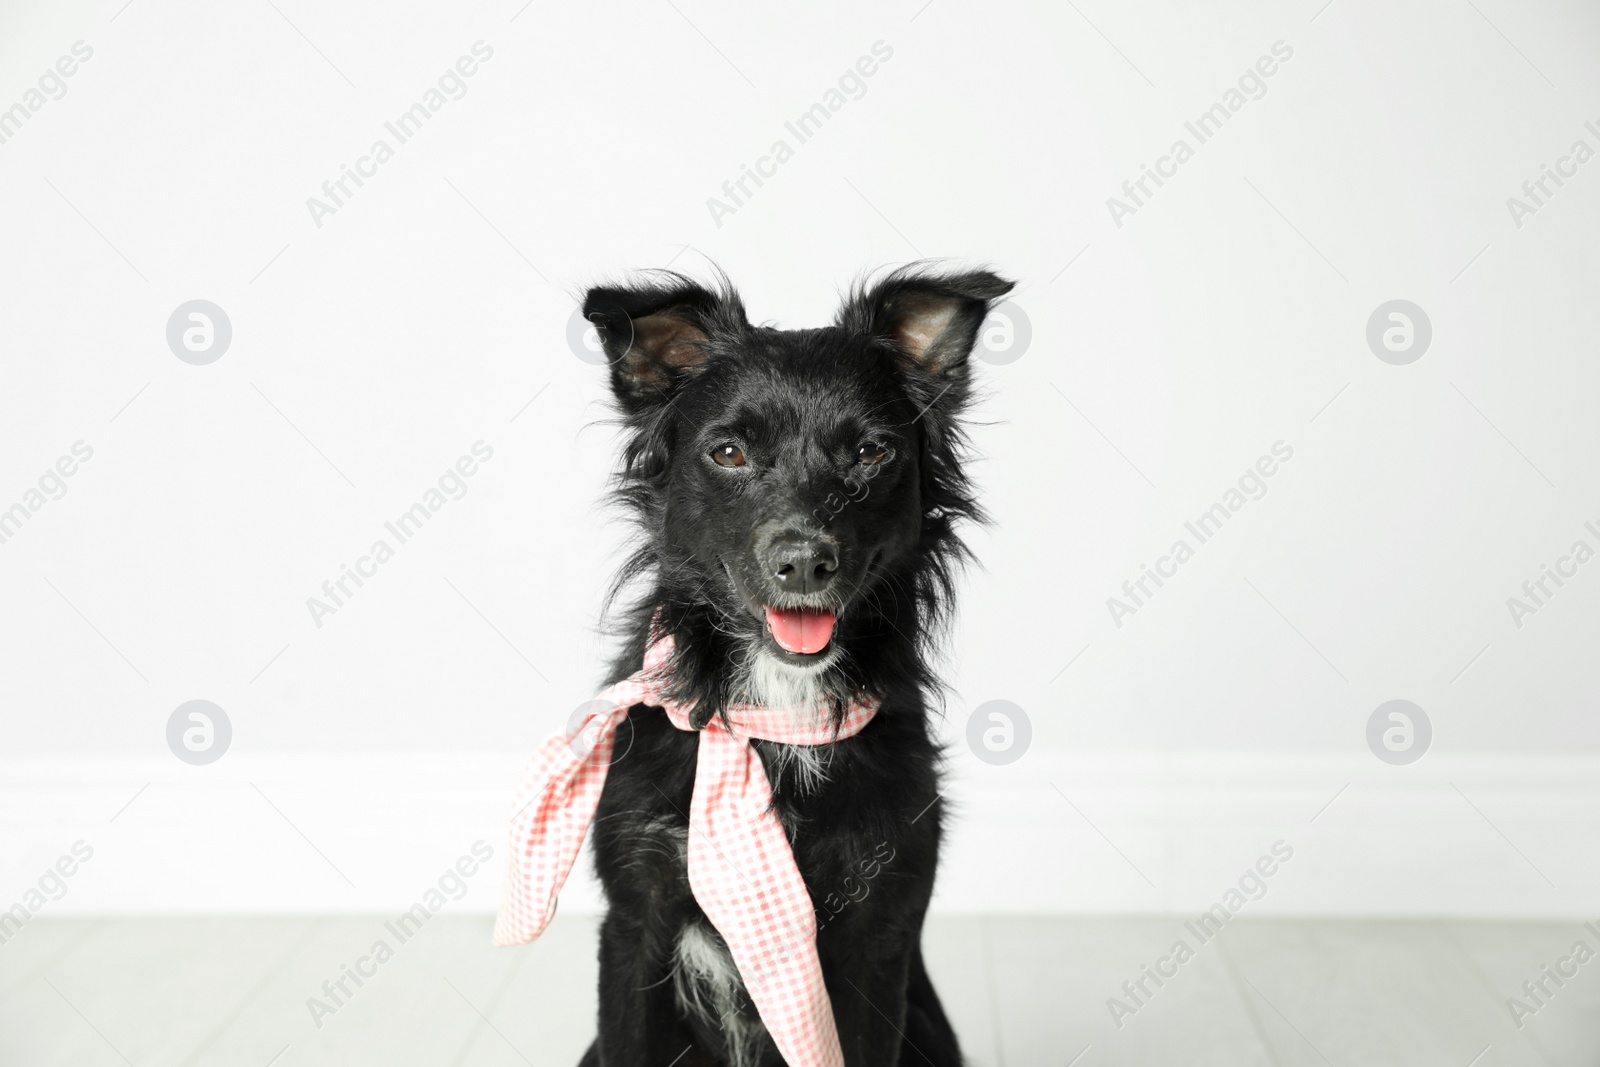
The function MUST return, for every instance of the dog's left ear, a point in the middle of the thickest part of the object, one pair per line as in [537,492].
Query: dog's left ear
[932,317]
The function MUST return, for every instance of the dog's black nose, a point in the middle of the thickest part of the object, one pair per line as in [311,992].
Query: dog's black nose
[802,564]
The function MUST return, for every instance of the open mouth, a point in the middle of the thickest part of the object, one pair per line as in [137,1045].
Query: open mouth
[801,631]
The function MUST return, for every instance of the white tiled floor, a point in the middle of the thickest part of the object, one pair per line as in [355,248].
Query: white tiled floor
[1021,991]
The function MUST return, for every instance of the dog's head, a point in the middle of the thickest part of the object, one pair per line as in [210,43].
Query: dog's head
[797,487]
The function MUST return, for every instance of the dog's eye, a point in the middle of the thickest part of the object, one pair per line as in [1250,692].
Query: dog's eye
[728,456]
[871,453]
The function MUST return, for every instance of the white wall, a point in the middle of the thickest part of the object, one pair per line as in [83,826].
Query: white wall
[1102,831]
[430,312]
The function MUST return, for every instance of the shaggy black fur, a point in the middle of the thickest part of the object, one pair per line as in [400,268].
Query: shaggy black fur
[849,436]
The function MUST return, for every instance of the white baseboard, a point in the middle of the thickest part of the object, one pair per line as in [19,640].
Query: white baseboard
[1465,835]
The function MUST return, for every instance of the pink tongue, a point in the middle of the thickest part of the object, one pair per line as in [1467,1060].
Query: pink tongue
[800,631]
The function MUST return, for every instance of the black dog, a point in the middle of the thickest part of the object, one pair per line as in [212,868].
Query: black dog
[798,492]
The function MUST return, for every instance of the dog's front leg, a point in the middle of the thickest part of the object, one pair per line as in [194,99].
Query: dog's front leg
[639,1025]
[869,1008]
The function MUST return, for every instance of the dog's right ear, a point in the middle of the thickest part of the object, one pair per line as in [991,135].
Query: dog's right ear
[655,337]
[931,315]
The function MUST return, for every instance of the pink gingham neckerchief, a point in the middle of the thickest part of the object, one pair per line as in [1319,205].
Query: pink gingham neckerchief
[741,871]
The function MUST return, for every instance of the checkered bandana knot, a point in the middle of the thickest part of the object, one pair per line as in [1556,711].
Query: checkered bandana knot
[741,871]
